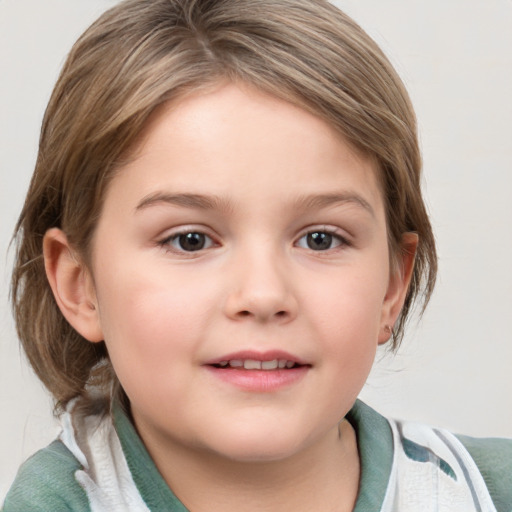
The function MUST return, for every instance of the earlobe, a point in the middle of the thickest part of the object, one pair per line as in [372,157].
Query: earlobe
[398,286]
[72,285]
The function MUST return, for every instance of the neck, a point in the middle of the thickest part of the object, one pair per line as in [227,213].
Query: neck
[324,477]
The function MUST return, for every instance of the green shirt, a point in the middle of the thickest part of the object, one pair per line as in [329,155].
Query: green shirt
[404,467]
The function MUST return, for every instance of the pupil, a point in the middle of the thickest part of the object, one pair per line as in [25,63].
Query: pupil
[192,241]
[319,241]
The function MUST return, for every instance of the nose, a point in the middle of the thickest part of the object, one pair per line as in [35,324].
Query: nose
[261,290]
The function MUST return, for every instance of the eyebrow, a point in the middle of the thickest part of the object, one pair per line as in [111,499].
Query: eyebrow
[198,201]
[325,200]
[213,202]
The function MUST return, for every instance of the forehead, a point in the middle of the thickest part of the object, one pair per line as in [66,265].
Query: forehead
[237,139]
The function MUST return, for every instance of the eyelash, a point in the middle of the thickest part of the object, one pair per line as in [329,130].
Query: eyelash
[330,232]
[168,242]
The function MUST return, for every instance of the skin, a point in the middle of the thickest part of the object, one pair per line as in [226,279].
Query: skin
[267,173]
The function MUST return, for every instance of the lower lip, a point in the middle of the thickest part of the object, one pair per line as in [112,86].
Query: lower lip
[259,381]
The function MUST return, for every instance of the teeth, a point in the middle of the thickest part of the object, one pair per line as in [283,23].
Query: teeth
[269,365]
[253,364]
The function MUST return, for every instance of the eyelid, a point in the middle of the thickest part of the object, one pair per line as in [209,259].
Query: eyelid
[165,242]
[336,232]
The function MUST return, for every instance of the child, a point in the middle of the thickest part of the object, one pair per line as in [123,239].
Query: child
[224,222]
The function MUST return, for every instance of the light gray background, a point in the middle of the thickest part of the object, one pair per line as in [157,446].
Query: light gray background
[455,369]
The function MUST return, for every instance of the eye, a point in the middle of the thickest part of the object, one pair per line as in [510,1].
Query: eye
[189,241]
[320,241]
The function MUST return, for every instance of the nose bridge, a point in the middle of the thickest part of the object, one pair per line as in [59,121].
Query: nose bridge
[261,287]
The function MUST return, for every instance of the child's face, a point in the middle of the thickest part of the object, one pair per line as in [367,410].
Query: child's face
[247,230]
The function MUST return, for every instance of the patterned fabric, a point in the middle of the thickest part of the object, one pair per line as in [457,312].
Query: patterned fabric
[105,477]
[432,471]
[99,464]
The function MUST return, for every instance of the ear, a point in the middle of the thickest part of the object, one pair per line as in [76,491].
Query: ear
[398,285]
[72,285]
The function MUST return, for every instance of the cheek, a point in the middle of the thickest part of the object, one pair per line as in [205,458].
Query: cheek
[348,305]
[148,324]
[346,324]
[147,302]
[148,336]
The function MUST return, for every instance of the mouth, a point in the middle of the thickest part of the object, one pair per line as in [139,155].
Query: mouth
[259,372]
[255,360]
[255,364]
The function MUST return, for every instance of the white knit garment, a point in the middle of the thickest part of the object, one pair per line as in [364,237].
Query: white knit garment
[106,478]
[416,486]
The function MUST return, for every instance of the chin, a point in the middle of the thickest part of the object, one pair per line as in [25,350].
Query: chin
[261,446]
[258,454]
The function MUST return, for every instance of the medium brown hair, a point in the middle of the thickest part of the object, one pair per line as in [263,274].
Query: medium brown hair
[142,54]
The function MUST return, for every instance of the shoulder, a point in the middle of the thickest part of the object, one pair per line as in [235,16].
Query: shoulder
[476,470]
[493,457]
[46,481]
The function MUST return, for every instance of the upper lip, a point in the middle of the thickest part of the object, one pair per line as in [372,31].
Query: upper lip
[255,355]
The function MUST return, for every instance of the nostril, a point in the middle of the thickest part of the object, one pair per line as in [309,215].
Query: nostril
[245,313]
